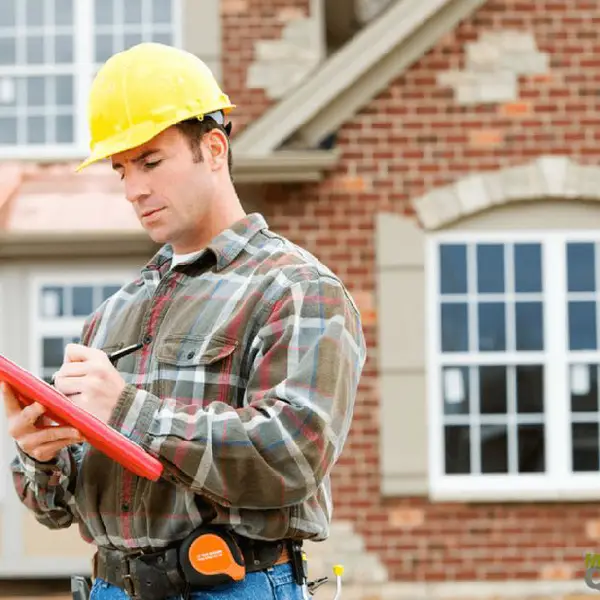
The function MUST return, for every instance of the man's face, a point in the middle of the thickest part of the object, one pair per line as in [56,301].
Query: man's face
[171,194]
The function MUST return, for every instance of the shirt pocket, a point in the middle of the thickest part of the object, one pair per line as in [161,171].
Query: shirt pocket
[198,369]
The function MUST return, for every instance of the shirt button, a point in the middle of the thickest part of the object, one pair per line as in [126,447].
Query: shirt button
[125,507]
[147,339]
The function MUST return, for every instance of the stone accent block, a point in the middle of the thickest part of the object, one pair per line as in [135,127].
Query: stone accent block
[546,177]
[493,65]
[281,64]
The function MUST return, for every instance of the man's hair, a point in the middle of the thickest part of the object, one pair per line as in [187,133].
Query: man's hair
[194,130]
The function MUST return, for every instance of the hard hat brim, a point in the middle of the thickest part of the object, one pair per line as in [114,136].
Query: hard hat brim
[132,138]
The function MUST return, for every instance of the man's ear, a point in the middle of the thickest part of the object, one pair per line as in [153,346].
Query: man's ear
[217,145]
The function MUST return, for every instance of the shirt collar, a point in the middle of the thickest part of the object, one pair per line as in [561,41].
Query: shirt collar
[226,246]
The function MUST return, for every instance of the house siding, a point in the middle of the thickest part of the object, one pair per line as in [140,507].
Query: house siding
[426,130]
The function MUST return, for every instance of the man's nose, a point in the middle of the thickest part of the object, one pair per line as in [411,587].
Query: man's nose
[136,187]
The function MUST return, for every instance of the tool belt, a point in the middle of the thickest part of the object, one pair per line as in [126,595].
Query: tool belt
[208,557]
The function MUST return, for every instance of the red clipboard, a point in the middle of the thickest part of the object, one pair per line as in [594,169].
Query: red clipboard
[60,409]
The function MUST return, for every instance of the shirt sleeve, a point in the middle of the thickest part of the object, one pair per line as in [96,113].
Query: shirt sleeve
[276,449]
[48,488]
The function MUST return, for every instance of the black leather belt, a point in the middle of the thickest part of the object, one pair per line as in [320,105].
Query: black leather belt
[156,575]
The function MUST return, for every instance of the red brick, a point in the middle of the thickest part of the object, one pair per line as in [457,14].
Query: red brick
[388,158]
[515,108]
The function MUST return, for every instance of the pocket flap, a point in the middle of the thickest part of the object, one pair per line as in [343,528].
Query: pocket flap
[193,351]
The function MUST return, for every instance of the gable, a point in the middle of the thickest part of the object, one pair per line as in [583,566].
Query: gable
[351,77]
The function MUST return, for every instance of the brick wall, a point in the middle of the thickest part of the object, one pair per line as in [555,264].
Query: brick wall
[264,45]
[428,129]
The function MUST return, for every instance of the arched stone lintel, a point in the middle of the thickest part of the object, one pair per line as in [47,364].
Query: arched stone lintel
[546,177]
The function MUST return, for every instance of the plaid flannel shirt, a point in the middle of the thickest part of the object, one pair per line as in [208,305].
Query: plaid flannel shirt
[244,390]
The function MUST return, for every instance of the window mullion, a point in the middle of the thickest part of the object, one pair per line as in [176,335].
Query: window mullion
[556,370]
[84,64]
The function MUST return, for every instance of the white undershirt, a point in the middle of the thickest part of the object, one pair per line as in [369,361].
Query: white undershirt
[179,258]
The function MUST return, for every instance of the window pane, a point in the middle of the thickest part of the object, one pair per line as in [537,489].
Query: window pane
[531,448]
[64,129]
[584,388]
[132,39]
[530,389]
[530,329]
[63,49]
[83,300]
[104,12]
[585,446]
[455,382]
[457,449]
[35,50]
[492,390]
[161,11]
[133,11]
[455,333]
[162,38]
[8,13]
[109,290]
[582,325]
[36,91]
[581,267]
[53,352]
[528,268]
[64,90]
[8,51]
[34,12]
[8,91]
[104,47]
[494,449]
[64,12]
[8,130]
[453,267]
[490,268]
[36,130]
[52,302]
[492,328]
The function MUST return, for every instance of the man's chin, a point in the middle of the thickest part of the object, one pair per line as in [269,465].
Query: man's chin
[158,237]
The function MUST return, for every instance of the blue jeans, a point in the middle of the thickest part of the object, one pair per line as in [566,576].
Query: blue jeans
[276,583]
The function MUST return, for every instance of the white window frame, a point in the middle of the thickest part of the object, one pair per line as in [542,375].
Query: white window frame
[558,483]
[83,69]
[61,326]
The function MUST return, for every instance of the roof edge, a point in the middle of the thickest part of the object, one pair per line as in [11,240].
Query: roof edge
[285,166]
[342,70]
[51,245]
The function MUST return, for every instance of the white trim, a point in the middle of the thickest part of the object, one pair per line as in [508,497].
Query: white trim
[558,482]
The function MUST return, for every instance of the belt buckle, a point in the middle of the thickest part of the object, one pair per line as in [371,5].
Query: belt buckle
[128,585]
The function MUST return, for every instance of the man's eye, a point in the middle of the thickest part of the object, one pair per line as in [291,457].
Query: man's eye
[152,165]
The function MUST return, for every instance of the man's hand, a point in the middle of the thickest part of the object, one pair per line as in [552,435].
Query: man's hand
[88,378]
[32,431]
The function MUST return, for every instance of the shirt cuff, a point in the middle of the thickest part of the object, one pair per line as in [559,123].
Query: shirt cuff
[134,413]
[43,472]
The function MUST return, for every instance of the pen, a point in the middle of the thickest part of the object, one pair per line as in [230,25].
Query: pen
[115,356]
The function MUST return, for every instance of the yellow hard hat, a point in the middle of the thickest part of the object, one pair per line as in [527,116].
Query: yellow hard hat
[144,90]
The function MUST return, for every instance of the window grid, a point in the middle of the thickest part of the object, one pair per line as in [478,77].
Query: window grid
[60,306]
[555,359]
[64,55]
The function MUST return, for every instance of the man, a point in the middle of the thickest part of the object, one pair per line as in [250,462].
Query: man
[244,387]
